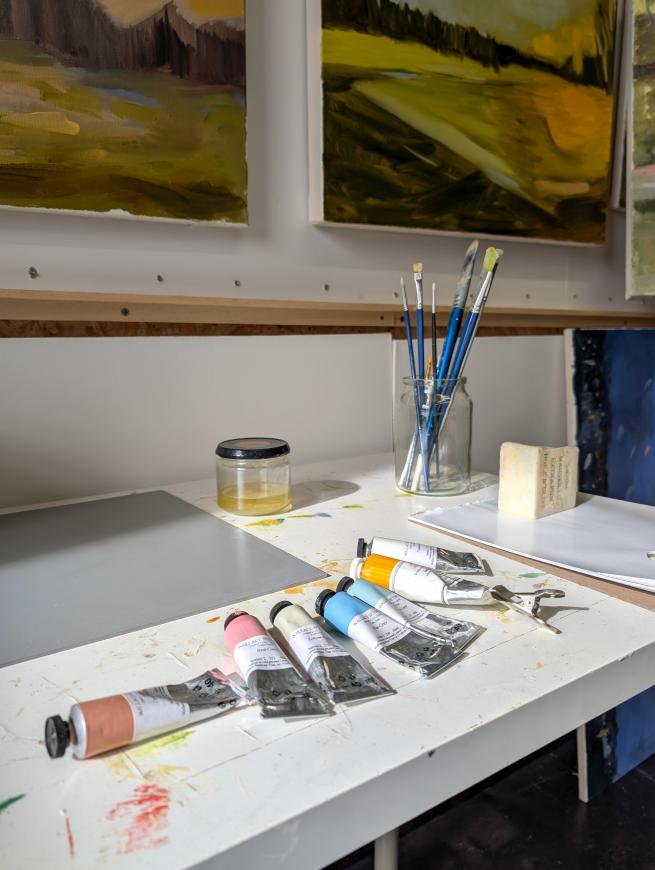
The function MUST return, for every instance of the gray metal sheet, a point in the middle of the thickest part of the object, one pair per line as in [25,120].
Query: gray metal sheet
[79,573]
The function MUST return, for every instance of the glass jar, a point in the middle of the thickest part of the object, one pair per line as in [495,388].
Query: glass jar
[252,476]
[432,430]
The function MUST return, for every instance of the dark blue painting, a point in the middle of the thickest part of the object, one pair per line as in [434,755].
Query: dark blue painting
[614,389]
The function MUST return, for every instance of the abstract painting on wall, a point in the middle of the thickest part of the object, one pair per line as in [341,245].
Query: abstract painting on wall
[613,382]
[465,116]
[130,107]
[641,172]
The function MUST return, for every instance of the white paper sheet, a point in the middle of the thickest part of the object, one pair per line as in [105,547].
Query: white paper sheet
[604,537]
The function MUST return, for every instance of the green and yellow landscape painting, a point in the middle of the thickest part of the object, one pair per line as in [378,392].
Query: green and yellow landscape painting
[642,176]
[468,115]
[124,106]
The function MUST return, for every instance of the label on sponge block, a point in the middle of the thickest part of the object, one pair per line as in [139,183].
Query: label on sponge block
[537,481]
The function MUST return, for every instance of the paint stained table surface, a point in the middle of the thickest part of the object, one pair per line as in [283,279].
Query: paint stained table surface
[238,791]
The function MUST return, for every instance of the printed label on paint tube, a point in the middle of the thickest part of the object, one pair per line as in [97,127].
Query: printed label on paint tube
[395,605]
[415,581]
[375,630]
[311,641]
[155,710]
[259,653]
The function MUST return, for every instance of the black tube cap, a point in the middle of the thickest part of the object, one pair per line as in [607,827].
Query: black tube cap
[276,608]
[231,616]
[344,583]
[322,599]
[361,548]
[57,736]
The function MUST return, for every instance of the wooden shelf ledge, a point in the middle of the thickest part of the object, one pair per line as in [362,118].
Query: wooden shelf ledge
[49,313]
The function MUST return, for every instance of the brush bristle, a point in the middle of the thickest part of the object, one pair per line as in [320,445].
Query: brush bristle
[491,257]
[417,267]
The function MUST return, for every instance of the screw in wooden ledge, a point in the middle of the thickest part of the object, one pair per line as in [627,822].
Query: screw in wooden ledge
[33,272]
[125,311]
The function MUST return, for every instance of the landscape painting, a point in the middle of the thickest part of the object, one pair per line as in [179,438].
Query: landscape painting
[466,116]
[641,211]
[128,107]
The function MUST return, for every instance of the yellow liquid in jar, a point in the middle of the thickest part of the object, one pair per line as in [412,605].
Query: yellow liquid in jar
[254,499]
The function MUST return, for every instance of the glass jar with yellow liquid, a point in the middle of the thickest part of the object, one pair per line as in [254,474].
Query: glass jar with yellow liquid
[252,476]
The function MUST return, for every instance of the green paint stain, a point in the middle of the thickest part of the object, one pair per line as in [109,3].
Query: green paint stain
[531,576]
[4,805]
[274,522]
[170,741]
[353,506]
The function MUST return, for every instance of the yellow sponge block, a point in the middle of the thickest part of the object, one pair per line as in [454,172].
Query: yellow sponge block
[537,481]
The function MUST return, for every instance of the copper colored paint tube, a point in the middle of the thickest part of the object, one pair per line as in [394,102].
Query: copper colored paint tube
[104,724]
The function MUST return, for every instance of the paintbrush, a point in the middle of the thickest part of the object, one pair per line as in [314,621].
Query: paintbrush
[434,334]
[418,435]
[457,311]
[417,269]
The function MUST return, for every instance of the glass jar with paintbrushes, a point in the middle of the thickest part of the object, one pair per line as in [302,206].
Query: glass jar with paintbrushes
[433,415]
[443,445]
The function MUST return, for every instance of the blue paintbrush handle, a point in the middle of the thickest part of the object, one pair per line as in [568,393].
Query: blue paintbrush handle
[419,342]
[452,331]
[463,345]
[410,347]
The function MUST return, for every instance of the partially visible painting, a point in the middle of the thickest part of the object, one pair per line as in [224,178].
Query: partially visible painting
[465,116]
[131,107]
[641,217]
[614,395]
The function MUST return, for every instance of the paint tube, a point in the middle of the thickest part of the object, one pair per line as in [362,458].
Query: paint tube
[448,561]
[108,723]
[377,631]
[272,680]
[340,676]
[419,583]
[460,632]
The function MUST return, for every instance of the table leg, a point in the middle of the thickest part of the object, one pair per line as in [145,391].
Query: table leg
[386,851]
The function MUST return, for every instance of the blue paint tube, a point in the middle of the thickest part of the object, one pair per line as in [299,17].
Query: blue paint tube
[379,632]
[457,631]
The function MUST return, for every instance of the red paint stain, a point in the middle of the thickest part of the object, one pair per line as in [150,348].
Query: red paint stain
[146,813]
[213,619]
[69,837]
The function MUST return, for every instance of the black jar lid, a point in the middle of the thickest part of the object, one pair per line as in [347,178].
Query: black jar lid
[252,448]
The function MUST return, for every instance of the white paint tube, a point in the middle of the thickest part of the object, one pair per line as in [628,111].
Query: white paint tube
[458,631]
[436,558]
[340,676]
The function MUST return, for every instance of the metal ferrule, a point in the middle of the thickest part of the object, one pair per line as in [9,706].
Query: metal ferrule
[467,592]
[78,724]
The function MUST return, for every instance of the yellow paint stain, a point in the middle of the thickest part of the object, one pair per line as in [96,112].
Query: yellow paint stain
[352,507]
[213,619]
[323,583]
[334,566]
[267,523]
[43,122]
[538,666]
[403,495]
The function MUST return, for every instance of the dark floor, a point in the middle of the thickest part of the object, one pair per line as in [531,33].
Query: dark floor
[529,818]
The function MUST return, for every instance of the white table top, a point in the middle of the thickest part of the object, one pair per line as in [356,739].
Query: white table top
[242,792]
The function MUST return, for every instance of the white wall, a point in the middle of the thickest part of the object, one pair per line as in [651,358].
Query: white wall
[281,255]
[83,416]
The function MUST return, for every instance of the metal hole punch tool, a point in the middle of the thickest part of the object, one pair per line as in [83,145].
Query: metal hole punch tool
[527,603]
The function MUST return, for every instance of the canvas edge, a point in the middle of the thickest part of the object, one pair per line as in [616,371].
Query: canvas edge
[629,282]
[119,214]
[313,15]
[569,393]
[320,222]
[621,86]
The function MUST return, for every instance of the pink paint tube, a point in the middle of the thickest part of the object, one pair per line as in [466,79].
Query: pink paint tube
[104,724]
[272,680]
